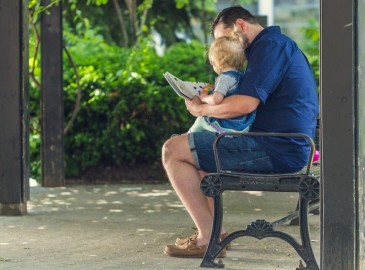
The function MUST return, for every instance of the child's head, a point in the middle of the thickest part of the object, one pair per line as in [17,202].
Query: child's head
[227,52]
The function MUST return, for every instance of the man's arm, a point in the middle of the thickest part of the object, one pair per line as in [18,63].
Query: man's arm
[231,106]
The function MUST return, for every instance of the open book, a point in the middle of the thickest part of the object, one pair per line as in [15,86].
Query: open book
[184,89]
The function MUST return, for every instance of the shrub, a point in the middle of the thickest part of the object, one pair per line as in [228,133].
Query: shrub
[127,108]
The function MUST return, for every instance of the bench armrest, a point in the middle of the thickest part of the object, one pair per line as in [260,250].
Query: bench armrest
[271,134]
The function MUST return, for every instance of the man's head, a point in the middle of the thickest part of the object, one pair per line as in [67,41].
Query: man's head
[234,18]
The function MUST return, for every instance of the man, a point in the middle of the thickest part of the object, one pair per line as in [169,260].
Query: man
[280,86]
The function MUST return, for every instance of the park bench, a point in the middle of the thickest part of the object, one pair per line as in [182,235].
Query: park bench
[304,182]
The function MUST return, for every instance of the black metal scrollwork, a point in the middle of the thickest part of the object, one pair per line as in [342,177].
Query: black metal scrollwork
[260,228]
[211,185]
[309,189]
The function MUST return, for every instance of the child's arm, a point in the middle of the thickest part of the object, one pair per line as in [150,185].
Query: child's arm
[213,99]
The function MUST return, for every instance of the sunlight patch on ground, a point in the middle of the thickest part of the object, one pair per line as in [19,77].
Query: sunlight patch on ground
[109,193]
[66,193]
[144,230]
[254,193]
[151,211]
[124,189]
[115,210]
[60,202]
[47,202]
[102,202]
[154,193]
[176,205]
[117,202]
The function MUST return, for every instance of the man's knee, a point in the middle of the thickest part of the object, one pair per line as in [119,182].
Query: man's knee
[176,148]
[167,150]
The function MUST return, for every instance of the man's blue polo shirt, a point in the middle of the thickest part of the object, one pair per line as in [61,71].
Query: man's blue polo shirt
[280,76]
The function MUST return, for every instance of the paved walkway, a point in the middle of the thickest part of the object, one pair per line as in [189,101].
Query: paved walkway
[127,226]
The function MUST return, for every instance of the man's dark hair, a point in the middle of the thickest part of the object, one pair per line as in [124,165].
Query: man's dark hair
[228,17]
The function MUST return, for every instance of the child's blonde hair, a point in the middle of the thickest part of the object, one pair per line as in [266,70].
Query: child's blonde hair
[227,51]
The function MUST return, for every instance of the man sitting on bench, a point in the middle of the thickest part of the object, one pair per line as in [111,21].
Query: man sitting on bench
[278,84]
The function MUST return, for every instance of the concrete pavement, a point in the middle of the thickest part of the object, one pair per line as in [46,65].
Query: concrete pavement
[127,226]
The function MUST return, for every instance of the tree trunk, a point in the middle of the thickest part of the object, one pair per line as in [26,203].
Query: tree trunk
[118,10]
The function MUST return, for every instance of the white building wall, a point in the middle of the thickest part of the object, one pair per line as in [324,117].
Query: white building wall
[266,8]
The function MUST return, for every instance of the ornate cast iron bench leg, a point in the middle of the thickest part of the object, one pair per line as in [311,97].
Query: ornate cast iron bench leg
[213,186]
[308,190]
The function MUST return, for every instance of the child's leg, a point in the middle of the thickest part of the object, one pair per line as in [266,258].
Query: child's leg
[201,125]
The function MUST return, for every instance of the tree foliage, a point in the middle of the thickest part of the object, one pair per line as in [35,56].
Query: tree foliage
[123,21]
[311,46]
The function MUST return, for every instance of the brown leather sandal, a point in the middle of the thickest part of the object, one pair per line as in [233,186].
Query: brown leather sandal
[189,249]
[182,240]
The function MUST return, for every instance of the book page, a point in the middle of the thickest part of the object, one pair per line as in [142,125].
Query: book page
[174,86]
[186,88]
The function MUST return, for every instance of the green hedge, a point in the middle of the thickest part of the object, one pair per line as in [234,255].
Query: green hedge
[127,109]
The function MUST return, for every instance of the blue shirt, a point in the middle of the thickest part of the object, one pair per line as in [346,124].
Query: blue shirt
[280,76]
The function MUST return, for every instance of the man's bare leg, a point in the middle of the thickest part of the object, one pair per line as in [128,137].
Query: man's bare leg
[185,179]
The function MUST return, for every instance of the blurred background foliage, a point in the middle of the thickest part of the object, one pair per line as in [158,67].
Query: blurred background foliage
[118,107]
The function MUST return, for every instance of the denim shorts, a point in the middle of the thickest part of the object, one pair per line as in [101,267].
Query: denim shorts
[241,154]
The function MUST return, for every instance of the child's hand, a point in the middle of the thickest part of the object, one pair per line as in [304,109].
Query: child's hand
[209,86]
[203,95]
[212,98]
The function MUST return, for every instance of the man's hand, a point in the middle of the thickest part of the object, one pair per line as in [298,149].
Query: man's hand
[203,95]
[193,106]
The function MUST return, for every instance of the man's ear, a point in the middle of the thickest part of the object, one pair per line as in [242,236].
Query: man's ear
[241,25]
